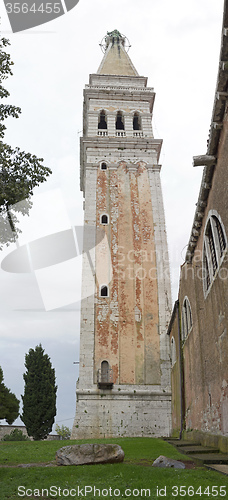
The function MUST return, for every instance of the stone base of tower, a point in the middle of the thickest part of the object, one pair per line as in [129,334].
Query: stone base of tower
[122,412]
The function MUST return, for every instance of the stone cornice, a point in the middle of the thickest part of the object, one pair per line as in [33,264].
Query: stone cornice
[210,159]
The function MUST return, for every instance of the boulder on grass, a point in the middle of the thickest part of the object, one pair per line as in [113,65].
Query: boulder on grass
[79,454]
[163,461]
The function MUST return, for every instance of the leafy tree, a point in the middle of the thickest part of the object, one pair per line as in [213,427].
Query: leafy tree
[63,431]
[15,435]
[39,400]
[20,172]
[9,404]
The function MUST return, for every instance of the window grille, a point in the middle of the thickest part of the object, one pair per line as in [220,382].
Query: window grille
[186,318]
[212,248]
[215,244]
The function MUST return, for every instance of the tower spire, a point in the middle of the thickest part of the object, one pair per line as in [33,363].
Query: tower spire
[116,61]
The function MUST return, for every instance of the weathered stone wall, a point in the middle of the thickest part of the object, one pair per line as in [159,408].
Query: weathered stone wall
[205,350]
[125,411]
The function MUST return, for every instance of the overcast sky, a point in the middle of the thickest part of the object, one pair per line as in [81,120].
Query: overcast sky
[176,45]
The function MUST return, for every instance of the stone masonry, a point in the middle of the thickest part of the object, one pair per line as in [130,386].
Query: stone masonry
[124,379]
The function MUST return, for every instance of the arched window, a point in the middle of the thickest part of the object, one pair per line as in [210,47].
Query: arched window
[136,122]
[173,351]
[102,122]
[104,219]
[186,324]
[104,291]
[215,243]
[103,166]
[105,376]
[119,121]
[104,372]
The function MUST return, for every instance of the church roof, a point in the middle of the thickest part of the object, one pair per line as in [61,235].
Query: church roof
[116,61]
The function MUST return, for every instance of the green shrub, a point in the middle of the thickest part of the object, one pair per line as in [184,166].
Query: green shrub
[64,432]
[15,435]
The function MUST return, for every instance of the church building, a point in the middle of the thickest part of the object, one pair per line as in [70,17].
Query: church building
[198,328]
[124,376]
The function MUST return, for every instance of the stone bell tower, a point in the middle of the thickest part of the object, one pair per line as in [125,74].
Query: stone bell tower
[124,378]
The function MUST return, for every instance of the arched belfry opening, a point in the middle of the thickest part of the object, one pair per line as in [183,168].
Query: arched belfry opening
[102,122]
[136,122]
[119,121]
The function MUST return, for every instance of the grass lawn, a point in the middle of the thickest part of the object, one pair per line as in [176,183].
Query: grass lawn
[134,478]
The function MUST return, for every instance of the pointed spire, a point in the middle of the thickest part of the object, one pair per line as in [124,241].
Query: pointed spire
[116,61]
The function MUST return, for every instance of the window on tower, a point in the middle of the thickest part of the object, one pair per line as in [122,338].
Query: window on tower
[104,291]
[104,219]
[103,166]
[119,121]
[136,122]
[105,376]
[102,122]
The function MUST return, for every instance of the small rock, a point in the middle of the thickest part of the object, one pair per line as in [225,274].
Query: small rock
[90,453]
[163,461]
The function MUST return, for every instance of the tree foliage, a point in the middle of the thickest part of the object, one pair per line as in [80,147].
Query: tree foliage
[9,404]
[63,431]
[15,435]
[39,400]
[20,172]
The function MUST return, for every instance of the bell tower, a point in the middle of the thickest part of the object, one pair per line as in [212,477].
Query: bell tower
[124,378]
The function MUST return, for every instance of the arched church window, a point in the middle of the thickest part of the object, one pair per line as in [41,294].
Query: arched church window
[173,351]
[104,291]
[136,122]
[186,324]
[104,219]
[119,121]
[102,122]
[103,166]
[215,244]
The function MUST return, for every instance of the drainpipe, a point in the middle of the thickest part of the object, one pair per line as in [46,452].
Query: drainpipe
[181,371]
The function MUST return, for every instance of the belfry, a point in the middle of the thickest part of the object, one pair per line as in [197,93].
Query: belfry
[124,376]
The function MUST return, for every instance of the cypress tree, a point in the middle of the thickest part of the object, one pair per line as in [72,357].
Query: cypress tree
[39,400]
[9,404]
